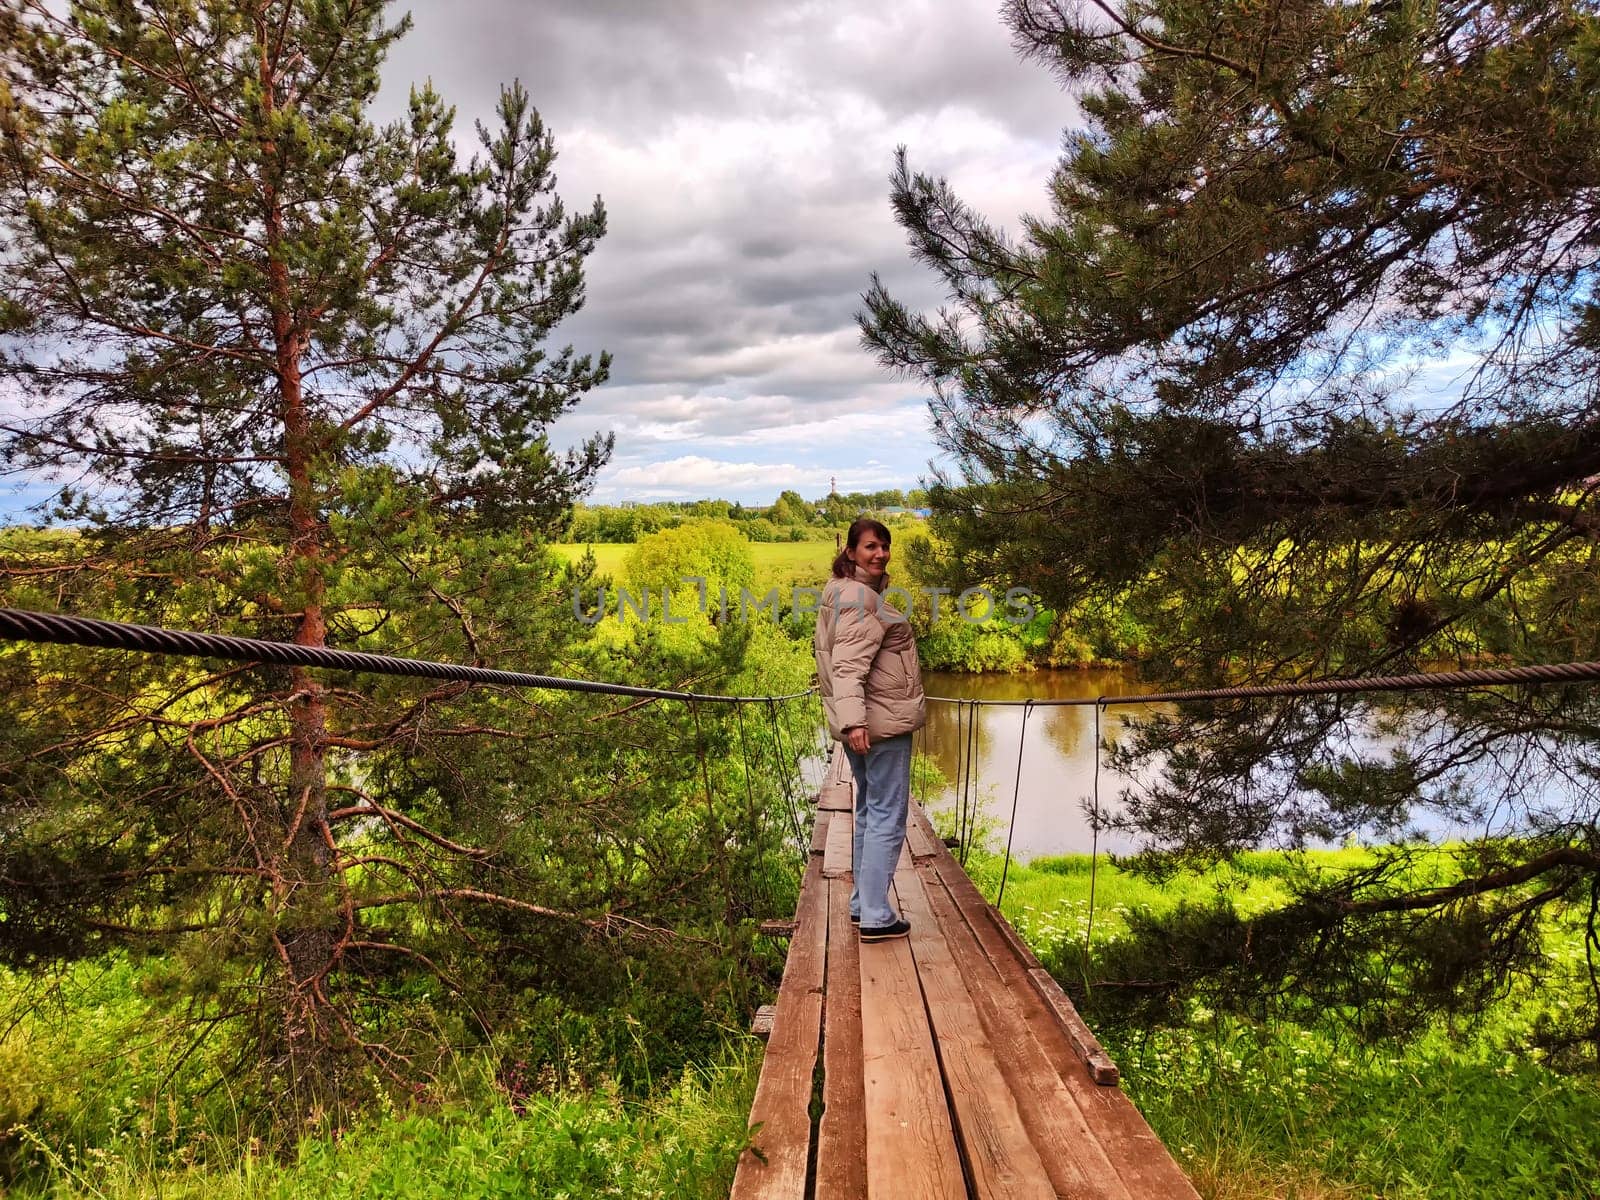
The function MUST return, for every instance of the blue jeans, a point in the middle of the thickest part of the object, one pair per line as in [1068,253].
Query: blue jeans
[883,789]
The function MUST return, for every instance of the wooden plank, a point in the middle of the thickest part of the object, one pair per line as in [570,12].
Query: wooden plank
[1060,1133]
[836,797]
[819,832]
[782,1106]
[761,1023]
[1095,1059]
[1145,1166]
[1087,1047]
[842,1133]
[911,1148]
[1010,936]
[920,835]
[1001,1160]
[839,766]
[838,858]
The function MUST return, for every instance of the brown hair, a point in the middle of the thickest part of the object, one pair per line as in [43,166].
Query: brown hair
[843,568]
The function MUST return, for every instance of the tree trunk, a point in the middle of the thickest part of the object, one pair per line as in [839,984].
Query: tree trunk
[306,930]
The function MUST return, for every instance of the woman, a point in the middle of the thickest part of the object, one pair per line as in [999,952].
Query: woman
[872,692]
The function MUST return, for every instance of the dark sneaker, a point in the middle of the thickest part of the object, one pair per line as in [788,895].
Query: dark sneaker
[884,933]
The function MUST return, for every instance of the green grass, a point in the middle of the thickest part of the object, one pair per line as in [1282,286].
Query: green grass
[683,1146]
[87,1108]
[1257,1110]
[778,564]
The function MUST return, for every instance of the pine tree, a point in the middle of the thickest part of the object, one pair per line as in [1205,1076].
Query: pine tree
[1190,389]
[290,372]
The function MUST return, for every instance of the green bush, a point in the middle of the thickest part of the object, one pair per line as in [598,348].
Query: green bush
[955,644]
[1259,1109]
[683,1144]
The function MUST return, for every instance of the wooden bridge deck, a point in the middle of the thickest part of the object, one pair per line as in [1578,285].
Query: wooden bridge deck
[951,1063]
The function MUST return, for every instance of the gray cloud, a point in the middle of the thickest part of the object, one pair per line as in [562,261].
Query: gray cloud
[742,151]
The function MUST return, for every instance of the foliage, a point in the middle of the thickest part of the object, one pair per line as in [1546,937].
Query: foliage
[488,1130]
[292,373]
[789,518]
[781,565]
[790,509]
[1204,387]
[711,551]
[954,644]
[1292,1101]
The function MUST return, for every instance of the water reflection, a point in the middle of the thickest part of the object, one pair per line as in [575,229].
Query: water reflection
[1483,796]
[1058,760]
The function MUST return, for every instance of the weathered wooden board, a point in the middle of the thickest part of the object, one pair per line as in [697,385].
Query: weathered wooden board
[819,832]
[838,797]
[842,1132]
[761,1023]
[1073,1158]
[911,1148]
[920,834]
[1000,1158]
[782,1104]
[838,766]
[837,857]
[1101,1069]
[1145,1166]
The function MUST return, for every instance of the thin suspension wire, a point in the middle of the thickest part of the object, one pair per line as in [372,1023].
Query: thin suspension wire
[972,782]
[1016,790]
[783,775]
[824,740]
[749,795]
[961,748]
[1094,843]
[965,783]
[744,751]
[961,775]
[700,753]
[926,765]
[711,804]
[919,738]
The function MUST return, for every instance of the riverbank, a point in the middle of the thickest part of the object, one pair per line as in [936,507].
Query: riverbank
[1256,1109]
[1252,1110]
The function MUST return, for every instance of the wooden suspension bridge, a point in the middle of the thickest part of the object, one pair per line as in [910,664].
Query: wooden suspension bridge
[947,1064]
[951,1063]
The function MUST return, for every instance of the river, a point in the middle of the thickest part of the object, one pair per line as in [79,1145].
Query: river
[1058,758]
[1057,780]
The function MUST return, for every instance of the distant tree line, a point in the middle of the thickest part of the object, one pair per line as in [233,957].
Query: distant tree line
[790,518]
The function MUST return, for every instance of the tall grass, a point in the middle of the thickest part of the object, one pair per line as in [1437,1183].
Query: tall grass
[681,1146]
[1280,1110]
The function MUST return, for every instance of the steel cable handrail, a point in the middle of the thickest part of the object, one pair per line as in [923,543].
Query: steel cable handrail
[1573,672]
[61,629]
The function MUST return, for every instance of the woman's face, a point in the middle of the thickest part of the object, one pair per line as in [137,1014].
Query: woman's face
[871,554]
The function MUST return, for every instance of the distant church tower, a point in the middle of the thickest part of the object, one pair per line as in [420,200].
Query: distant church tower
[833,485]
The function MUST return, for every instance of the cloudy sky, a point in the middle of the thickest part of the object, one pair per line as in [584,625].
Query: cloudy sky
[743,151]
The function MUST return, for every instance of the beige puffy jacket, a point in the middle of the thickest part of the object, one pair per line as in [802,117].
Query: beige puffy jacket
[867,666]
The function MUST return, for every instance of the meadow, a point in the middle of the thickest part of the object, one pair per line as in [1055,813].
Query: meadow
[1277,1109]
[777,564]
[99,1098]
[1252,1110]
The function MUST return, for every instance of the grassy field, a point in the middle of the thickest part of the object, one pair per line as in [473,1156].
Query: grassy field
[1251,1111]
[89,1108]
[778,564]
[1255,1111]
